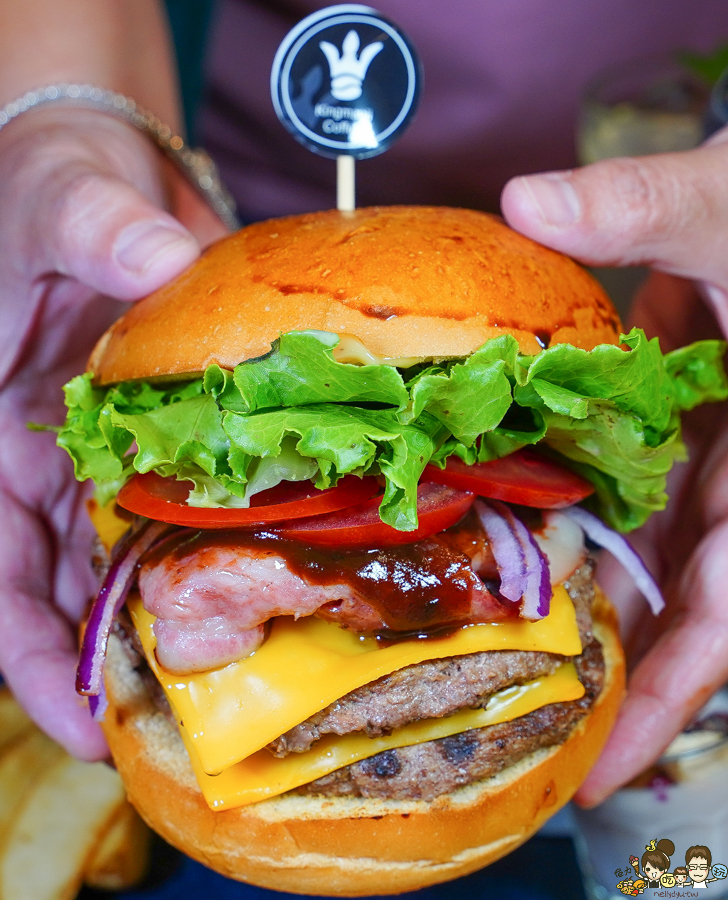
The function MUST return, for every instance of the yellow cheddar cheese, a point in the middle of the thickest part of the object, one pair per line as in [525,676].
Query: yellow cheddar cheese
[228,714]
[262,775]
[109,525]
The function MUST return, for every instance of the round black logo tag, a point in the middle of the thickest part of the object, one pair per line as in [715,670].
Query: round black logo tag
[346,81]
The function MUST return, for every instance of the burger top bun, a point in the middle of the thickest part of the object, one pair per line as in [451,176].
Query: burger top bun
[349,846]
[408,282]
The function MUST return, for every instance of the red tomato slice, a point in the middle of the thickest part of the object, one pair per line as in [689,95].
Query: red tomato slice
[438,507]
[164,499]
[524,477]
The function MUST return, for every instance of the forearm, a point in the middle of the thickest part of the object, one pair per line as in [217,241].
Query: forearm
[118,44]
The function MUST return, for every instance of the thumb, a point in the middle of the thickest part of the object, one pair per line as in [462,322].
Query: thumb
[668,211]
[98,229]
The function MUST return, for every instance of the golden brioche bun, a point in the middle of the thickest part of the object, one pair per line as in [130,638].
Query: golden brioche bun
[350,847]
[420,282]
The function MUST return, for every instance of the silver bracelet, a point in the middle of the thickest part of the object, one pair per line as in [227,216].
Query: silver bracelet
[195,165]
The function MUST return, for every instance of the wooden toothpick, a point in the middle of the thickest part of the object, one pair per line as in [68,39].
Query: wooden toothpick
[345,183]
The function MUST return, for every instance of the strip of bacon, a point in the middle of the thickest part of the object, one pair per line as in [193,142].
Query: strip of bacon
[212,593]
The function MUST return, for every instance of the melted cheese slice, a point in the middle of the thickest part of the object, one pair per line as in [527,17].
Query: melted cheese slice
[228,714]
[351,350]
[263,775]
[109,525]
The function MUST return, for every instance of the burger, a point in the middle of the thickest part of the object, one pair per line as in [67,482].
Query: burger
[348,469]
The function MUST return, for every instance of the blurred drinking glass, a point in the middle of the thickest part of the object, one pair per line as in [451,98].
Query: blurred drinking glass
[683,797]
[650,105]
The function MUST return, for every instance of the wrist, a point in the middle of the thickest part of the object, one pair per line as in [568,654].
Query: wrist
[37,147]
[194,165]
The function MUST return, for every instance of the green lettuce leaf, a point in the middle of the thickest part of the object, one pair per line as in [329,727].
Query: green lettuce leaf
[697,373]
[302,371]
[470,397]
[189,431]
[636,382]
[82,438]
[345,440]
[296,413]
[253,476]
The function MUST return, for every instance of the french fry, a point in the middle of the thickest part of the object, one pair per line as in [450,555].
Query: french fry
[21,767]
[53,834]
[121,859]
[42,791]
[13,720]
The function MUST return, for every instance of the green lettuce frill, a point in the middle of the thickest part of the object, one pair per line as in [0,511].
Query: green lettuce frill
[611,414]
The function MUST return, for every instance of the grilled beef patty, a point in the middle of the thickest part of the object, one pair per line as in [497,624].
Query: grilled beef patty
[429,690]
[426,690]
[437,687]
[425,771]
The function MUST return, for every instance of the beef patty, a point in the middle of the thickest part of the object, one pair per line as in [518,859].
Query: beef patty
[429,690]
[425,771]
[437,687]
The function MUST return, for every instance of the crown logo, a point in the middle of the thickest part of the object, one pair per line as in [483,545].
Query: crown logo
[347,69]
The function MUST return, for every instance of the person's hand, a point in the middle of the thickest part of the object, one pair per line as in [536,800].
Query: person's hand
[83,199]
[669,212]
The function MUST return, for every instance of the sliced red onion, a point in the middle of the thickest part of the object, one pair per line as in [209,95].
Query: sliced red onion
[98,704]
[537,596]
[507,550]
[562,543]
[622,551]
[523,568]
[110,599]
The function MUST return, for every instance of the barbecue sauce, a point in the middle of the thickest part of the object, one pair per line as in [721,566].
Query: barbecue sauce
[416,588]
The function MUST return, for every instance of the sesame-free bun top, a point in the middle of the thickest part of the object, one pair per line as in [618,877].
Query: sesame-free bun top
[407,281]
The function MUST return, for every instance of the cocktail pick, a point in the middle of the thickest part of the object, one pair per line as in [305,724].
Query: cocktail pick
[346,83]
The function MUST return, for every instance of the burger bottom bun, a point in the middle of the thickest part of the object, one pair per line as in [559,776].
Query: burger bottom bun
[350,847]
